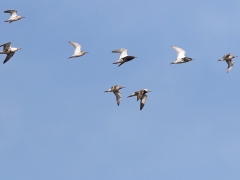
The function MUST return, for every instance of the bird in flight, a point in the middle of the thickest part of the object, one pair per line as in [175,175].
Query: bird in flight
[77,50]
[115,89]
[228,58]
[13,16]
[123,56]
[8,50]
[181,58]
[141,94]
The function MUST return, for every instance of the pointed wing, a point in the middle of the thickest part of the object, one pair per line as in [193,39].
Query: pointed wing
[118,96]
[121,64]
[123,52]
[6,45]
[76,46]
[230,65]
[8,57]
[143,101]
[12,12]
[180,51]
[134,94]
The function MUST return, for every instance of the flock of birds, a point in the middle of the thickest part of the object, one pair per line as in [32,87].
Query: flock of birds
[124,57]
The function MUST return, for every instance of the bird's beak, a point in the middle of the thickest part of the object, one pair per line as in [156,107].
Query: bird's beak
[149,91]
[123,87]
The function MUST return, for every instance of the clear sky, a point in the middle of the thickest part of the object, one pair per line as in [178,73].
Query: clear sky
[56,122]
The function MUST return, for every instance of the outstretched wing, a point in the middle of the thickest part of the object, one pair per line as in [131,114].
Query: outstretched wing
[6,45]
[12,12]
[118,96]
[180,51]
[123,52]
[76,46]
[230,65]
[8,57]
[143,101]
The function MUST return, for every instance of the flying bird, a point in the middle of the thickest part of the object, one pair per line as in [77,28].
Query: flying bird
[7,49]
[141,94]
[228,58]
[115,89]
[181,58]
[77,51]
[13,16]
[123,56]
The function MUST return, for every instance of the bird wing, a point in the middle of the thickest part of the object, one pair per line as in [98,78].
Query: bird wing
[134,94]
[143,101]
[6,45]
[12,12]
[8,57]
[76,46]
[123,52]
[230,65]
[118,96]
[180,51]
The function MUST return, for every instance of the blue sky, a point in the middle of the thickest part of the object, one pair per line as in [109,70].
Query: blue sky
[56,122]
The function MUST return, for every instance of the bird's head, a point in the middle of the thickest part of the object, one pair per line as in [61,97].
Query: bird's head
[147,90]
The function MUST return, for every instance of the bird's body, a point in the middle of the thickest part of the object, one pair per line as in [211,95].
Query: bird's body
[115,89]
[123,56]
[181,58]
[7,49]
[13,16]
[141,94]
[77,50]
[228,58]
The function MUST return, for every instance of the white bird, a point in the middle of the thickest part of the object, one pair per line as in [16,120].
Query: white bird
[123,56]
[7,49]
[141,94]
[77,51]
[181,58]
[228,58]
[115,89]
[13,16]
